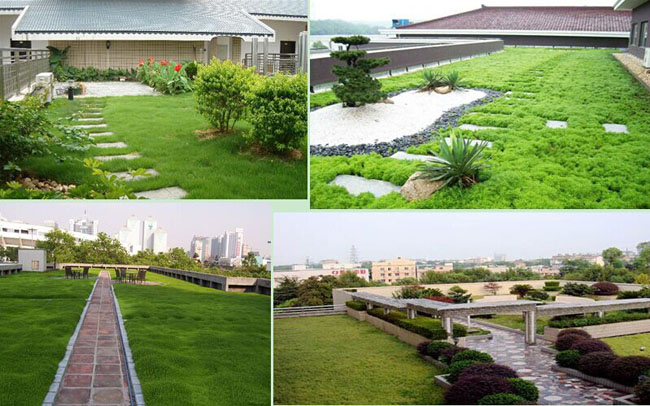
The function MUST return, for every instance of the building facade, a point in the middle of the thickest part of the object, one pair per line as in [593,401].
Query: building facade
[19,234]
[639,27]
[302,273]
[393,270]
[32,260]
[84,226]
[140,235]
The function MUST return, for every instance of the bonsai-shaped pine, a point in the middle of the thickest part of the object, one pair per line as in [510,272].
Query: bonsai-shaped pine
[356,87]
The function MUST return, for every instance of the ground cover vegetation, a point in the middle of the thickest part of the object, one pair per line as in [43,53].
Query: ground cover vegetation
[515,321]
[314,357]
[219,352]
[531,166]
[39,314]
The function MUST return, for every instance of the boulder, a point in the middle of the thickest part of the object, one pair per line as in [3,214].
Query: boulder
[442,90]
[419,189]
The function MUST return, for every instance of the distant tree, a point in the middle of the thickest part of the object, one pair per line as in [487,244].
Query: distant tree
[103,250]
[574,265]
[59,246]
[405,281]
[250,261]
[642,279]
[287,289]
[642,245]
[521,290]
[492,287]
[318,45]
[350,279]
[612,256]
[458,294]
[10,253]
[317,291]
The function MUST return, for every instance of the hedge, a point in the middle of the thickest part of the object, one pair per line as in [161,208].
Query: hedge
[472,355]
[483,369]
[627,370]
[502,399]
[435,348]
[587,345]
[456,369]
[596,363]
[424,326]
[566,341]
[356,305]
[613,317]
[605,288]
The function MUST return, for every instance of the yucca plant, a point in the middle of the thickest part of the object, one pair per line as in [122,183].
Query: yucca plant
[454,81]
[432,79]
[457,163]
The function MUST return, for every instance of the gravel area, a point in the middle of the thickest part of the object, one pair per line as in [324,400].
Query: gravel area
[412,125]
[635,66]
[105,89]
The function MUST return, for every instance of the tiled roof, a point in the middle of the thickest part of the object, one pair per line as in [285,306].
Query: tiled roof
[579,19]
[204,17]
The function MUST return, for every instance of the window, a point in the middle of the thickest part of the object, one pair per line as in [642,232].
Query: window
[35,265]
[643,40]
[633,37]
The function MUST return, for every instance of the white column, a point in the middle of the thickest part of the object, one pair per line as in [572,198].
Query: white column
[410,313]
[469,322]
[369,306]
[254,52]
[601,314]
[386,310]
[530,318]
[265,60]
[447,324]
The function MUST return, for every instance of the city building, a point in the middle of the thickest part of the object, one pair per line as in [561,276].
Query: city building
[301,272]
[557,261]
[638,26]
[201,249]
[544,270]
[19,234]
[334,264]
[438,268]
[499,257]
[393,270]
[84,226]
[139,236]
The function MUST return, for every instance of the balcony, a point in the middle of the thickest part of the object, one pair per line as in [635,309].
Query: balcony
[276,63]
[18,69]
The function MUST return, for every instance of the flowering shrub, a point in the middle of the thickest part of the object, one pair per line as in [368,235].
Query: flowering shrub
[165,76]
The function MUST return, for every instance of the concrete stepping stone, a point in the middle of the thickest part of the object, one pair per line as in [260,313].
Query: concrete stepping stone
[90,126]
[163,194]
[101,134]
[474,142]
[616,128]
[90,119]
[556,124]
[356,185]
[411,157]
[125,176]
[472,127]
[128,157]
[111,145]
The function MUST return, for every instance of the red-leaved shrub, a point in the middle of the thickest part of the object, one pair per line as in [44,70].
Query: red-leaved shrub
[468,391]
[596,363]
[423,347]
[627,370]
[588,345]
[503,371]
[567,341]
[443,299]
[605,288]
[573,331]
[447,354]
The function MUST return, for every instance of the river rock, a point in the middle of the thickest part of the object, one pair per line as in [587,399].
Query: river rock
[419,189]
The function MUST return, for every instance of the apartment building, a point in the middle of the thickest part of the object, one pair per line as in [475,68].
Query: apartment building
[393,270]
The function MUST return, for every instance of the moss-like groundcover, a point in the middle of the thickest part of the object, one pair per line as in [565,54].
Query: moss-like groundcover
[198,346]
[531,166]
[162,130]
[38,315]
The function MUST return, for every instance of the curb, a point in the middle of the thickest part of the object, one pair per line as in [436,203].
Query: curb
[593,379]
[135,389]
[63,365]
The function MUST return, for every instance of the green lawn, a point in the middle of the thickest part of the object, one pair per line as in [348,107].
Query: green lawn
[630,345]
[516,321]
[198,346]
[162,129]
[531,166]
[338,360]
[38,315]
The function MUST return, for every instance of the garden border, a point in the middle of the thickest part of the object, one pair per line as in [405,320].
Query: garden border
[593,379]
[605,330]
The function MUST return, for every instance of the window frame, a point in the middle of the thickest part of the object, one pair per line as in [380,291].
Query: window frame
[633,37]
[643,35]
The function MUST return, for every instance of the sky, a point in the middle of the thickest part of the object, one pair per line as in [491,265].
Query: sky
[181,220]
[453,234]
[419,10]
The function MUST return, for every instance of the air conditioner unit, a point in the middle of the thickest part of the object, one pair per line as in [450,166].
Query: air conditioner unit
[646,59]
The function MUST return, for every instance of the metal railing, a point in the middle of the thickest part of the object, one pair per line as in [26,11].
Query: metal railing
[284,63]
[310,311]
[19,67]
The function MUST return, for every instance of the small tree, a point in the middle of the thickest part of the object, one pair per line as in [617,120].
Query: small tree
[59,246]
[458,294]
[521,290]
[220,90]
[643,279]
[492,287]
[612,256]
[355,86]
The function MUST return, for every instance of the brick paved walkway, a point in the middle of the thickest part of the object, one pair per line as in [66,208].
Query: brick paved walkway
[532,364]
[96,372]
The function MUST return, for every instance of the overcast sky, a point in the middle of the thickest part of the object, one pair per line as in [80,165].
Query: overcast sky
[181,220]
[453,235]
[418,10]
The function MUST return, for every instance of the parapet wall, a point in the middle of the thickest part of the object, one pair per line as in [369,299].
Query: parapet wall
[10,269]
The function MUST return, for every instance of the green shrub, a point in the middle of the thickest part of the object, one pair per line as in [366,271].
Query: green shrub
[577,289]
[502,399]
[525,389]
[456,368]
[356,305]
[90,74]
[611,317]
[435,348]
[538,295]
[459,330]
[432,79]
[552,283]
[568,358]
[278,107]
[424,326]
[454,80]
[221,89]
[552,288]
[472,355]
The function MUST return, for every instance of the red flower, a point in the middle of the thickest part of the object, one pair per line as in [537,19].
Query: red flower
[151,60]
[178,67]
[164,62]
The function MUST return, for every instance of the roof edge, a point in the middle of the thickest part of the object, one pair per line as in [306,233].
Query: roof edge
[627,5]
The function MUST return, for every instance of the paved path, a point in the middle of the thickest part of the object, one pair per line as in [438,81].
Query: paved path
[532,364]
[96,372]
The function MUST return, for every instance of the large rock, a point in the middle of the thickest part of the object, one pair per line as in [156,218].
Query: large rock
[419,189]
[443,89]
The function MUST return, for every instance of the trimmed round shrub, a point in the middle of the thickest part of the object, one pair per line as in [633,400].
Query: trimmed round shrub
[588,345]
[489,369]
[642,392]
[472,355]
[459,330]
[502,399]
[576,331]
[525,389]
[457,368]
[568,358]
[423,347]
[435,348]
[596,363]
[567,341]
[605,288]
[627,370]
[356,305]
[447,354]
[470,390]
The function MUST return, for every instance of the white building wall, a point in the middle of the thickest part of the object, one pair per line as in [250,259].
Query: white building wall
[284,31]
[149,227]
[160,241]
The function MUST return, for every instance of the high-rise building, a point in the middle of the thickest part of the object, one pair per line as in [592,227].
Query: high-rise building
[144,235]
[84,226]
[229,245]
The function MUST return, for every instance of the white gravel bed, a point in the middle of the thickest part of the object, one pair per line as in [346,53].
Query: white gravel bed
[355,185]
[408,114]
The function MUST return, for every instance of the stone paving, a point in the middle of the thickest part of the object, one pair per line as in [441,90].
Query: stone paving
[96,371]
[616,128]
[355,185]
[532,364]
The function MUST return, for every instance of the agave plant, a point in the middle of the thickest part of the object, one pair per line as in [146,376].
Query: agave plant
[457,163]
[453,80]
[432,79]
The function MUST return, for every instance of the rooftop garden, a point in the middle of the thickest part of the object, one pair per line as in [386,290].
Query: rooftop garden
[544,144]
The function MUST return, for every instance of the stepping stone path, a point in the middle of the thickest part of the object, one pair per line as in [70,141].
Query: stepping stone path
[532,364]
[101,134]
[616,128]
[556,124]
[127,176]
[96,370]
[165,193]
[111,145]
[411,157]
[87,126]
[474,142]
[356,185]
[90,119]
[472,127]
[128,157]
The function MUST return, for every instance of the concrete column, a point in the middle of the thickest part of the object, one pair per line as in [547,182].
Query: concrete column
[601,314]
[411,313]
[254,52]
[386,310]
[265,60]
[369,306]
[469,322]
[530,319]
[448,326]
